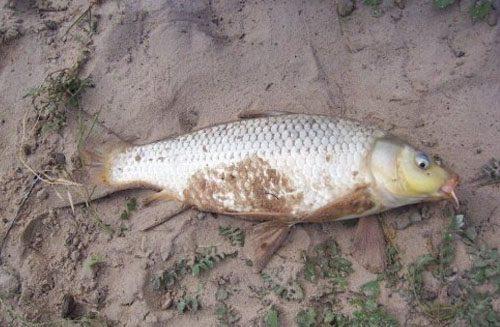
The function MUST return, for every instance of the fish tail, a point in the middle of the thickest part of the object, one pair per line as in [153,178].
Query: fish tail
[98,162]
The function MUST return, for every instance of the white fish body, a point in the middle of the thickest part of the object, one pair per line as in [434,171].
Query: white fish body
[290,167]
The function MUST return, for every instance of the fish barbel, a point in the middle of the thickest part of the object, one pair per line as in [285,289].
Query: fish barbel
[287,168]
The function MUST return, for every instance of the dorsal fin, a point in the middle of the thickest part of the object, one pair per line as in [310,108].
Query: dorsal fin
[250,114]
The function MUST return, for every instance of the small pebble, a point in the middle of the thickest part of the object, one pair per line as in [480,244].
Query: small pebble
[167,302]
[59,158]
[401,4]
[100,295]
[345,7]
[9,283]
[75,255]
[454,289]
[68,306]
[415,217]
[42,194]
[51,25]
[492,19]
[402,222]
[397,15]
[429,295]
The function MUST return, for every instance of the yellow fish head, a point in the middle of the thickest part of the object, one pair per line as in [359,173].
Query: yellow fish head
[406,175]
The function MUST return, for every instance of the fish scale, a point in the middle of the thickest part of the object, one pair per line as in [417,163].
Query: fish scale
[313,160]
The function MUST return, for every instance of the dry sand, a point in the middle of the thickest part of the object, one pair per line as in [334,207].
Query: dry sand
[166,67]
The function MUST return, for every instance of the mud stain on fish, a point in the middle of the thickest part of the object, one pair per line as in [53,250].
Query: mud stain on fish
[250,186]
[356,202]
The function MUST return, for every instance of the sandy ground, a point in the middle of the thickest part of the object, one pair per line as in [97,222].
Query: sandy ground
[165,67]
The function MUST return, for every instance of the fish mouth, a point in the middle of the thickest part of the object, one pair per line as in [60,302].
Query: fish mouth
[448,189]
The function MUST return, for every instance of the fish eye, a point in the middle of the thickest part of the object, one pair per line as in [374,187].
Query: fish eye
[422,160]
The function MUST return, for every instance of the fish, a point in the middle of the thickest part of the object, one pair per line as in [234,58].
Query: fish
[281,169]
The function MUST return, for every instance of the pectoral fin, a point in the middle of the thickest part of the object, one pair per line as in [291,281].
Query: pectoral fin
[265,239]
[369,245]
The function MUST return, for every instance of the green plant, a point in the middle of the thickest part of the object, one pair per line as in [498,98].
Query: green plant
[490,172]
[206,259]
[478,310]
[331,318]
[415,270]
[472,306]
[203,261]
[271,319]
[235,235]
[130,206]
[369,313]
[372,3]
[170,276]
[391,273]
[188,303]
[485,267]
[59,91]
[292,291]
[328,263]
[481,9]
[441,4]
[226,315]
[93,261]
[306,317]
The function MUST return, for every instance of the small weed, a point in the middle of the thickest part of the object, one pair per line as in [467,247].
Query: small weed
[59,91]
[440,312]
[327,263]
[331,318]
[84,132]
[490,172]
[94,261]
[485,267]
[473,307]
[441,4]
[446,255]
[226,315]
[480,10]
[170,276]
[393,265]
[130,206]
[372,3]
[221,294]
[306,318]
[369,313]
[415,270]
[207,259]
[188,303]
[203,261]
[103,226]
[478,311]
[291,292]
[271,319]
[235,235]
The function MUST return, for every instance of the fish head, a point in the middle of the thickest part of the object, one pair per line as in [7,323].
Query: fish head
[407,175]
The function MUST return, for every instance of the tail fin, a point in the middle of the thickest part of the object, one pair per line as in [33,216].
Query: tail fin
[92,174]
[97,161]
